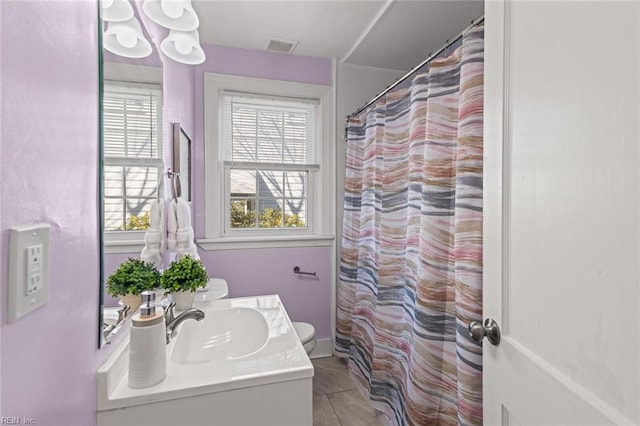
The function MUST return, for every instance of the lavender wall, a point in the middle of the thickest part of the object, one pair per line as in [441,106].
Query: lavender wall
[49,173]
[179,100]
[150,61]
[260,271]
[265,271]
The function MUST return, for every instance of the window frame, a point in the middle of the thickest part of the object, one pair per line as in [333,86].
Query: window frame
[321,210]
[145,76]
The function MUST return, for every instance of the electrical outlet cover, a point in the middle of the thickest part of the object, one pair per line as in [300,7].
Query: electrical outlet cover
[28,269]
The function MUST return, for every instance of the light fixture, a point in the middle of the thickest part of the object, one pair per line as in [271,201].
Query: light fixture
[184,47]
[116,10]
[126,39]
[173,14]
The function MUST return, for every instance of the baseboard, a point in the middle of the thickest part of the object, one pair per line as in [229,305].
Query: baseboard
[323,349]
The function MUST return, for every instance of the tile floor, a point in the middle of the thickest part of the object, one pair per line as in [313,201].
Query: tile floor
[336,400]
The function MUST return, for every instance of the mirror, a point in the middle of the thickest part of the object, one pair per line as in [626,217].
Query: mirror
[132,163]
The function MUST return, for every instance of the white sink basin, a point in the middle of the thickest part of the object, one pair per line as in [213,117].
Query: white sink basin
[222,335]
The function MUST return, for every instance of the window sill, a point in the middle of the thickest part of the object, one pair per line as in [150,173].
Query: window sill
[234,243]
[123,246]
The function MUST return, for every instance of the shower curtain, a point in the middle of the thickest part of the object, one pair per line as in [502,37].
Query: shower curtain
[411,260]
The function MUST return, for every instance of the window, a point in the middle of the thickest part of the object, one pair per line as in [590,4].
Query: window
[269,172]
[132,148]
[270,157]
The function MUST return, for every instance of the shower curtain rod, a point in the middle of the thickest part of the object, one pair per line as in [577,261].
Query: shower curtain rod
[413,70]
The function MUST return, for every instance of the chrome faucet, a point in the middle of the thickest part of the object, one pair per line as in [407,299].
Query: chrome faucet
[192,313]
[168,306]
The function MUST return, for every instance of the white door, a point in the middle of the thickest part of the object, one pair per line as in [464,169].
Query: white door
[562,212]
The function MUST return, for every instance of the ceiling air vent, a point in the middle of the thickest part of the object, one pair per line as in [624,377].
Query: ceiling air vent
[281,45]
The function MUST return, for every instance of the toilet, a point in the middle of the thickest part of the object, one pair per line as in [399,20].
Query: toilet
[307,335]
[217,289]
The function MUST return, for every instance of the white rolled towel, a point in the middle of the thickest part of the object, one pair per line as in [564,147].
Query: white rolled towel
[156,214]
[153,239]
[162,225]
[183,214]
[186,244]
[152,251]
[183,239]
[172,226]
[152,256]
[184,234]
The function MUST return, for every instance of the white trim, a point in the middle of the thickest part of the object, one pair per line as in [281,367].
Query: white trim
[249,165]
[505,167]
[124,242]
[279,241]
[320,217]
[129,246]
[334,215]
[493,163]
[323,349]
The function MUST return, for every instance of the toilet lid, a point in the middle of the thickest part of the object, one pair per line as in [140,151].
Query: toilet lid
[305,331]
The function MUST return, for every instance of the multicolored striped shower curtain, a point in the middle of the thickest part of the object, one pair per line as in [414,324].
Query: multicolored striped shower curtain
[411,259]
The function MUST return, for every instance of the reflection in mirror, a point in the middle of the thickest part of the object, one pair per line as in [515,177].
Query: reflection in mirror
[132,161]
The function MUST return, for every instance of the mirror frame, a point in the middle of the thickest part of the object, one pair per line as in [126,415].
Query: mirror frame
[101,338]
[182,162]
[105,334]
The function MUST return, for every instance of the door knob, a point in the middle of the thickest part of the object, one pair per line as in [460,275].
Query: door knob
[490,330]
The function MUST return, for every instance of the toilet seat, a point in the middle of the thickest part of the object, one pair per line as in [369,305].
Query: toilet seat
[306,333]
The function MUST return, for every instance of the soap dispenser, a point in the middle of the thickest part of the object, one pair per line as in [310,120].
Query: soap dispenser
[147,344]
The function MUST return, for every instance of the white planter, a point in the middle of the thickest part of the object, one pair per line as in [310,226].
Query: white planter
[183,299]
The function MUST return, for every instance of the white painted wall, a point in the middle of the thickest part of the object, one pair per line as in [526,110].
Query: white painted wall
[355,85]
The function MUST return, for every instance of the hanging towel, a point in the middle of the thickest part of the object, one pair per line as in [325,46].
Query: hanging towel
[172,225]
[185,243]
[153,238]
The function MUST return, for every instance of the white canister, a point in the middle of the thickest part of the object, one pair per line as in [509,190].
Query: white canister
[147,348]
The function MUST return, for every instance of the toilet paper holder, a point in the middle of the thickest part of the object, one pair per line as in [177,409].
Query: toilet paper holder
[296,270]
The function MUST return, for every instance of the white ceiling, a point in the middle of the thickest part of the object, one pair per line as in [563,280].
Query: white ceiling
[394,34]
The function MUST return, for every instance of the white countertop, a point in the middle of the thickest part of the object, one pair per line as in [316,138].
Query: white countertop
[216,288]
[282,358]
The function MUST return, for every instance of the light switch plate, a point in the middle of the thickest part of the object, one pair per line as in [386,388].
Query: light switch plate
[28,269]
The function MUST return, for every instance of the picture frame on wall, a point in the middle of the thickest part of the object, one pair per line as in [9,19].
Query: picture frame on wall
[182,159]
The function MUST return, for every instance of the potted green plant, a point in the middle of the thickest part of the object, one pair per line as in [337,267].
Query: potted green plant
[182,278]
[132,277]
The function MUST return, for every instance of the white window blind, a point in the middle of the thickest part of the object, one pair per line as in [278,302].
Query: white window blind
[132,154]
[269,130]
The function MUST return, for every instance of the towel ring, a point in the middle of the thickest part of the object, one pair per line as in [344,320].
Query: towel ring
[176,183]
